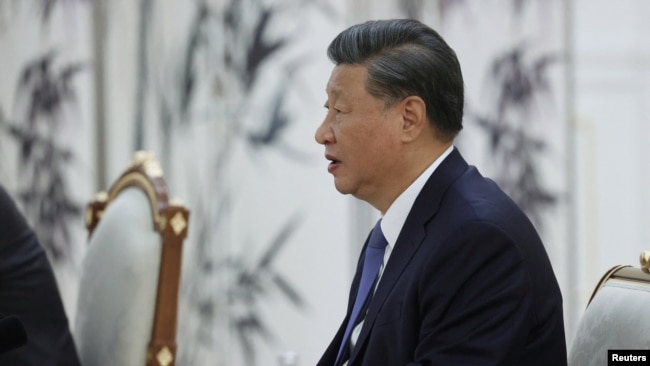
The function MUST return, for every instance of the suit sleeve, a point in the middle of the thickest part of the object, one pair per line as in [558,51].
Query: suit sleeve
[475,300]
[28,290]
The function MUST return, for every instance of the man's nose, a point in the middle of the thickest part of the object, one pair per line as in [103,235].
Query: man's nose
[324,133]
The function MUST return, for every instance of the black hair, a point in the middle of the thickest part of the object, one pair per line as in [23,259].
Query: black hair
[405,57]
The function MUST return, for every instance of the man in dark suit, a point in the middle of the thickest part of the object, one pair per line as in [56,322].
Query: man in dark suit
[463,278]
[29,297]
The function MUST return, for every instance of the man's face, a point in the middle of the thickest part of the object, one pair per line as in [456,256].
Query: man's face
[361,136]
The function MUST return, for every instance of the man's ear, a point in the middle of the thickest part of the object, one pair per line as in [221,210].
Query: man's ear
[414,117]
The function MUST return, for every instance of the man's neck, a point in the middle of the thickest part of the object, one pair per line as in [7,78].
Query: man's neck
[419,160]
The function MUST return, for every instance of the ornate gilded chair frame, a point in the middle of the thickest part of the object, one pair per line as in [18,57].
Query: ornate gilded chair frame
[170,219]
[626,273]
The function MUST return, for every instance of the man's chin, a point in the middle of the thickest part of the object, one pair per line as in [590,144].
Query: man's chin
[342,191]
[342,188]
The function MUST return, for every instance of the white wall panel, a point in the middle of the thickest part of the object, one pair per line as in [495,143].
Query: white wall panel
[612,83]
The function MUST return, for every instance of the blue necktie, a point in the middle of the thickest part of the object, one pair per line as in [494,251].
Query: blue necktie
[372,261]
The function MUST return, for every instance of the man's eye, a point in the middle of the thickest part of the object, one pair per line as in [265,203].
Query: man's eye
[327,106]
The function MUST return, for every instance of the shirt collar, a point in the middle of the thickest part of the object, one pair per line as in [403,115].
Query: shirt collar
[395,216]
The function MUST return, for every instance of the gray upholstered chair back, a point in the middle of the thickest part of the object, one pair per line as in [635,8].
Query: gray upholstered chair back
[616,317]
[128,294]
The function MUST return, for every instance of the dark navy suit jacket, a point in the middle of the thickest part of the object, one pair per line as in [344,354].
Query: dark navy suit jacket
[29,291]
[468,283]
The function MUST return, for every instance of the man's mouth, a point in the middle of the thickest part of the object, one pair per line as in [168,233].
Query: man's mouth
[334,163]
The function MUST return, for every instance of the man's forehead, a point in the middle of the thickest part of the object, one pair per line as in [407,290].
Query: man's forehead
[334,91]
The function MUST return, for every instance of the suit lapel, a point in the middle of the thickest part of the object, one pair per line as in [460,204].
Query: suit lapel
[411,237]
